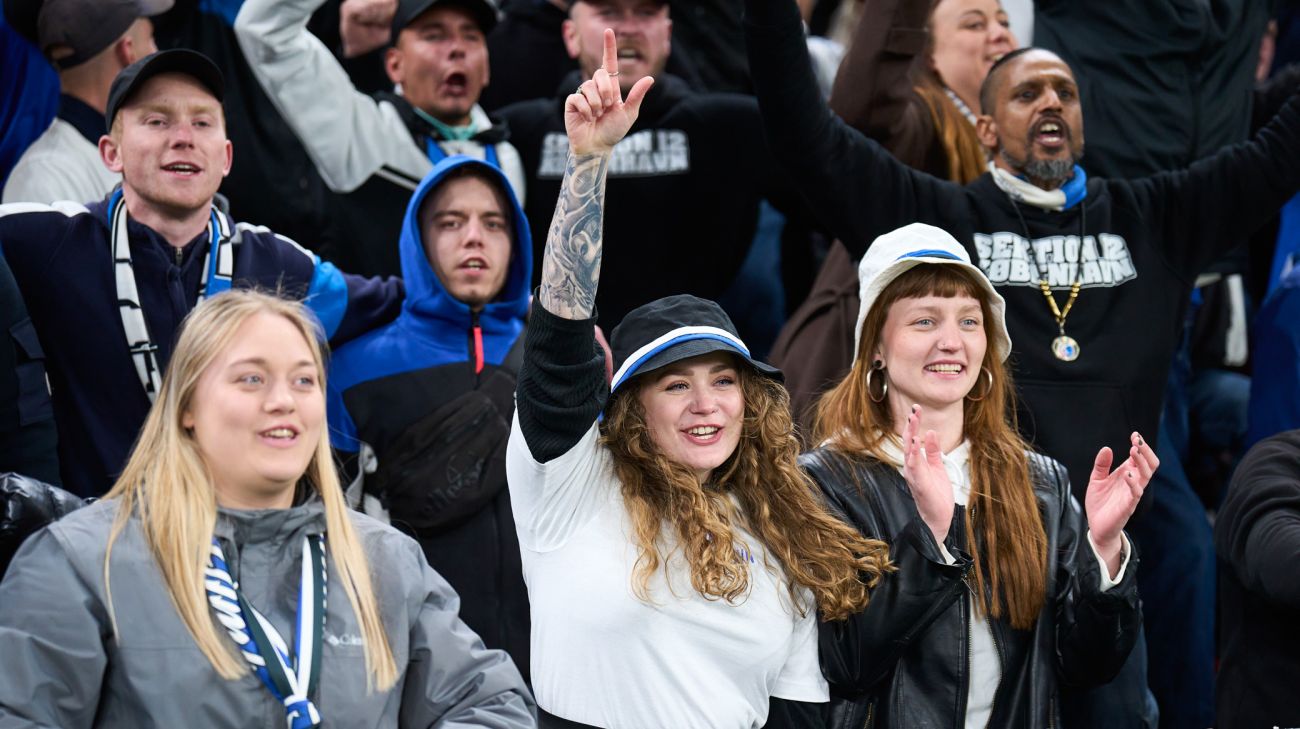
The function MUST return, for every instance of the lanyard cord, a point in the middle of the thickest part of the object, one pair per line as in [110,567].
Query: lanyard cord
[218,273]
[290,677]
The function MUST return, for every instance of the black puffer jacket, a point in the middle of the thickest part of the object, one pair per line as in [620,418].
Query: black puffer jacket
[903,662]
[26,505]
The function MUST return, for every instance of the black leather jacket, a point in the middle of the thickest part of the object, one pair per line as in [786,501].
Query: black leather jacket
[903,662]
[26,505]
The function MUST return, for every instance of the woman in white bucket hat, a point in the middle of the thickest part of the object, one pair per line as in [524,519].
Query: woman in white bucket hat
[999,596]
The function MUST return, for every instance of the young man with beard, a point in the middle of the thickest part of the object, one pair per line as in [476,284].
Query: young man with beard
[699,161]
[431,395]
[375,150]
[108,284]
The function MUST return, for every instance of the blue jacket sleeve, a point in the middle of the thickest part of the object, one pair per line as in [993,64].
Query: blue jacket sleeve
[349,306]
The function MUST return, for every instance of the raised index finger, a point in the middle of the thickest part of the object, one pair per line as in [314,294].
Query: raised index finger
[611,52]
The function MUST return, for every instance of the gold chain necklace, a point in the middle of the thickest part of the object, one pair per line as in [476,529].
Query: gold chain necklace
[1065,347]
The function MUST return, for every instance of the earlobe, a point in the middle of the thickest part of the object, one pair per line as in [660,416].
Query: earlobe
[230,158]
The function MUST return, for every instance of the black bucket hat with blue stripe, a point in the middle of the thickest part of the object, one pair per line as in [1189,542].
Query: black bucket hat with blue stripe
[672,329]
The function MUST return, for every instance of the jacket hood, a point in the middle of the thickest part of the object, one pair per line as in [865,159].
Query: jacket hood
[425,294]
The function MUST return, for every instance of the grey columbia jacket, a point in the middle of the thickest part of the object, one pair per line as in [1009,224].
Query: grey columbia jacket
[63,666]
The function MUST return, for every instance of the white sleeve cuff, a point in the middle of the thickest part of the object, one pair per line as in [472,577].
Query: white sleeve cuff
[1124,552]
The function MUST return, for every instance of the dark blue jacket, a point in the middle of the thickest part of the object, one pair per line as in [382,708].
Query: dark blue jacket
[60,256]
[389,380]
[1275,387]
[27,433]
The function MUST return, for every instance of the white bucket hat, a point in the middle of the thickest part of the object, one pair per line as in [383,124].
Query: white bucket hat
[901,250]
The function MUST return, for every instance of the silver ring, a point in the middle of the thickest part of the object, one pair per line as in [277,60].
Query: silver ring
[612,75]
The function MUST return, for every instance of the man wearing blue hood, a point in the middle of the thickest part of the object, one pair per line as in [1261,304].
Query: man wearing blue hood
[421,408]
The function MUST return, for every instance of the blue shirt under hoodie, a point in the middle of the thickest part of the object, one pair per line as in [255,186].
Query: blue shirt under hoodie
[62,259]
[386,380]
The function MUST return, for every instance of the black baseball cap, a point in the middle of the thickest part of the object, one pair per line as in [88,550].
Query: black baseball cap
[484,12]
[601,2]
[672,329]
[84,28]
[177,60]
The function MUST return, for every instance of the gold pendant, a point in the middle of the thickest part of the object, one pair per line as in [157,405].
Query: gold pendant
[1065,348]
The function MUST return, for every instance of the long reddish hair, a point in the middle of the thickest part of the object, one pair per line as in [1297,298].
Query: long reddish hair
[1004,528]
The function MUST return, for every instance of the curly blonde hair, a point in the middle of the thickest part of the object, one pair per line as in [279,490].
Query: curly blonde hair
[774,501]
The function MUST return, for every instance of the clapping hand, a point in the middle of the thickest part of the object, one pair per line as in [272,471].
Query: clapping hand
[923,469]
[1113,495]
[596,116]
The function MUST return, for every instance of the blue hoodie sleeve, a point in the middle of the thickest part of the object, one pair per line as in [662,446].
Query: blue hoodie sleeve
[349,306]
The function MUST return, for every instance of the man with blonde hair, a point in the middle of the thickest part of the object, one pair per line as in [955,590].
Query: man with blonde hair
[107,284]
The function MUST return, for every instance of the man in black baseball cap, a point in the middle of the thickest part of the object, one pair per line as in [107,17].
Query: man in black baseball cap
[88,42]
[109,283]
[374,149]
[181,61]
[484,12]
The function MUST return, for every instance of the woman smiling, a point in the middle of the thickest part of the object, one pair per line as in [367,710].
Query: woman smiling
[1003,591]
[676,557]
[223,581]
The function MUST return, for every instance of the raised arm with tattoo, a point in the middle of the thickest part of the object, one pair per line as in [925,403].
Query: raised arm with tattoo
[596,117]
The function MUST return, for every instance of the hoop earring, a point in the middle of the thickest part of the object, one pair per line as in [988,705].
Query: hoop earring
[986,392]
[877,365]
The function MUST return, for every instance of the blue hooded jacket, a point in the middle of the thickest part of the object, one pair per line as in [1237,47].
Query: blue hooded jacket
[431,346]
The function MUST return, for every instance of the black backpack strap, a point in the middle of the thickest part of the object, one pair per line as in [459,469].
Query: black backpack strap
[515,357]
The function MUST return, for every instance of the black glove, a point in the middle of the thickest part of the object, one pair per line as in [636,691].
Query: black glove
[26,505]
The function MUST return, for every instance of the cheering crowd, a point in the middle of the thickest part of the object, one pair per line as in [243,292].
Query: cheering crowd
[649,363]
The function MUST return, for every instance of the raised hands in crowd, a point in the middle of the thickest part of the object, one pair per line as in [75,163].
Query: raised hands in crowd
[365,25]
[596,116]
[825,559]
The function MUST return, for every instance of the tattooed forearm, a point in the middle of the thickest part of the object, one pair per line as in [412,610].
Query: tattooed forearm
[571,264]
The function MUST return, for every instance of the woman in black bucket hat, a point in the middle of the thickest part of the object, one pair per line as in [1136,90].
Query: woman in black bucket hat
[676,557]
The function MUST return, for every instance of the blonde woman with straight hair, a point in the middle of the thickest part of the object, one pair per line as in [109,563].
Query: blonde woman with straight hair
[223,581]
[1004,592]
